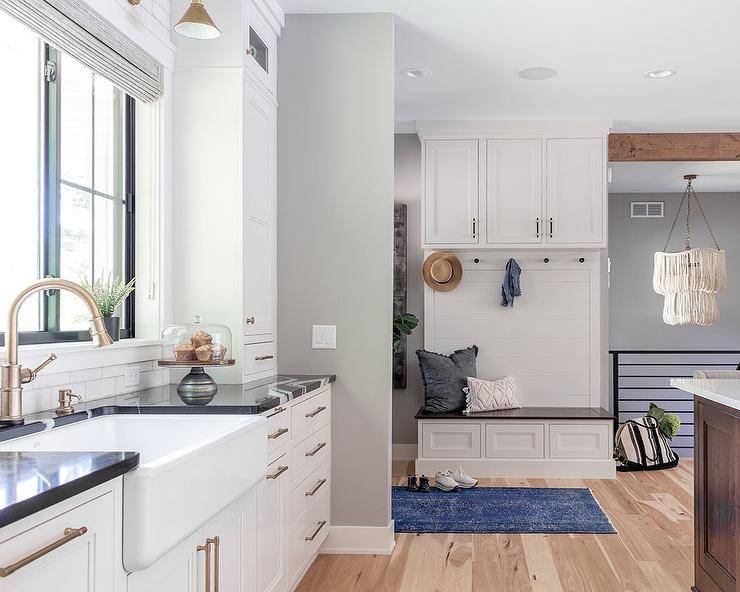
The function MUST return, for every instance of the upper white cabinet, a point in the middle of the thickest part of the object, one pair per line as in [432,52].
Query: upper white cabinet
[225,177]
[451,192]
[514,192]
[531,186]
[575,190]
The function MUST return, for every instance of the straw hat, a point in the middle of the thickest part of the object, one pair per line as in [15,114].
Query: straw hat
[442,271]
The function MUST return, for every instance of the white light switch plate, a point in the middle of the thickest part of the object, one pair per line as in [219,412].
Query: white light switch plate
[324,337]
[131,376]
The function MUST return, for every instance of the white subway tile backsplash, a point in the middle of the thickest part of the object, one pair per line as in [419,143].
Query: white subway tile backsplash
[98,389]
[37,400]
[45,379]
[86,375]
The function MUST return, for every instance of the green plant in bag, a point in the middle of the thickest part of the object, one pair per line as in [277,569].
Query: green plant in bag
[669,423]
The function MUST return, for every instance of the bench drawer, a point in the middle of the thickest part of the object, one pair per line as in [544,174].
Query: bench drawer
[580,440]
[307,415]
[515,440]
[451,440]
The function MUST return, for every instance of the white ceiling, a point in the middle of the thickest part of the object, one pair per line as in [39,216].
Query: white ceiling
[601,48]
[667,177]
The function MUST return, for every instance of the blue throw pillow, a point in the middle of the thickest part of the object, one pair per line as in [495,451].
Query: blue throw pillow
[445,377]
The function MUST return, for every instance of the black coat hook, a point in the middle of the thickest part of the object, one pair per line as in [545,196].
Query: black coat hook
[476,260]
[581,260]
[546,260]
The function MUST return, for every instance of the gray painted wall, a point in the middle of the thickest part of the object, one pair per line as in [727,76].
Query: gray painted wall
[635,312]
[406,402]
[335,237]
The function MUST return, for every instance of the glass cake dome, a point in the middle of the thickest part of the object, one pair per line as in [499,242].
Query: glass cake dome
[196,344]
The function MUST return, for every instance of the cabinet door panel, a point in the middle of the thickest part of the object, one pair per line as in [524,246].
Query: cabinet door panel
[271,528]
[514,192]
[715,498]
[259,225]
[575,190]
[175,572]
[451,192]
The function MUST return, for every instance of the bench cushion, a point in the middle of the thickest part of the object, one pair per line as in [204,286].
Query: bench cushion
[543,413]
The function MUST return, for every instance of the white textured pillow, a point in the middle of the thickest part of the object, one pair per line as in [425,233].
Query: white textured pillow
[490,395]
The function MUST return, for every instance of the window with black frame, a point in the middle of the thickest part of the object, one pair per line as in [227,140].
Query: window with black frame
[67,199]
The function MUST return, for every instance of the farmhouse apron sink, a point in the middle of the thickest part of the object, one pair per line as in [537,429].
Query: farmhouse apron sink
[191,467]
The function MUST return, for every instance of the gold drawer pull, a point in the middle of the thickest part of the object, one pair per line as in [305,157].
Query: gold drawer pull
[315,489]
[315,450]
[261,358]
[277,433]
[276,474]
[276,411]
[316,411]
[316,532]
[69,535]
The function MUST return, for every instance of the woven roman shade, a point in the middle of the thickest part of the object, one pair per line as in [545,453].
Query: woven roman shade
[71,26]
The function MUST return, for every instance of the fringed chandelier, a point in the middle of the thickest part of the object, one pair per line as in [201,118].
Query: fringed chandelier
[690,279]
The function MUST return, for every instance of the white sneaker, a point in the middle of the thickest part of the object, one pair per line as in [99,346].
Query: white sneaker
[443,480]
[463,479]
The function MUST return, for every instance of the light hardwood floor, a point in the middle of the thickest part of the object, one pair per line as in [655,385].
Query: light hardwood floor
[653,512]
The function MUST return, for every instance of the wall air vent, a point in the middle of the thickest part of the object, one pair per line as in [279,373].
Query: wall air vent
[646,209]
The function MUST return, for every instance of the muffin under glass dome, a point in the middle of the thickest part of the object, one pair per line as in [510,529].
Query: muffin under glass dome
[196,344]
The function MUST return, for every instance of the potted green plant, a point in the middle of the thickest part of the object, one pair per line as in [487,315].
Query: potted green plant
[109,294]
[403,324]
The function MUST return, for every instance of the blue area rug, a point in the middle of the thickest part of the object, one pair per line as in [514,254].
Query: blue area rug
[500,510]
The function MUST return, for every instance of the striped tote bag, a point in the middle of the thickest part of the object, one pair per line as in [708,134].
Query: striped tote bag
[641,446]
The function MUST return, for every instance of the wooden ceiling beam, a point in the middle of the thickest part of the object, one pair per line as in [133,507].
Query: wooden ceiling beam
[674,147]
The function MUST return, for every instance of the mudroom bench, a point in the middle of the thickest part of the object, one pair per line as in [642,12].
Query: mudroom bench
[570,442]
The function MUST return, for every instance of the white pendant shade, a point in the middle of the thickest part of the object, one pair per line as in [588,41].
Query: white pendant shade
[690,279]
[196,23]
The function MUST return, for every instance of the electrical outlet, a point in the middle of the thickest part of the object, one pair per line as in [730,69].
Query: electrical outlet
[131,376]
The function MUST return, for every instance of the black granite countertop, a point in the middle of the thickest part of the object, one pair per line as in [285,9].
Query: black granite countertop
[32,481]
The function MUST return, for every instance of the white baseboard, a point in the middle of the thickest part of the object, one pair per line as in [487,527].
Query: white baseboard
[405,451]
[524,467]
[360,540]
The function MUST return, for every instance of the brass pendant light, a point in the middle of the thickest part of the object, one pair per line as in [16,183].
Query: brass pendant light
[196,23]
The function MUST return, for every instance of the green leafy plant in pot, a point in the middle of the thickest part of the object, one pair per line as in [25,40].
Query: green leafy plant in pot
[109,293]
[403,324]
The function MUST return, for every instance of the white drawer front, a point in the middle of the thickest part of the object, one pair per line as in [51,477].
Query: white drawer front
[278,427]
[307,415]
[580,440]
[307,493]
[299,547]
[451,440]
[515,440]
[258,358]
[308,454]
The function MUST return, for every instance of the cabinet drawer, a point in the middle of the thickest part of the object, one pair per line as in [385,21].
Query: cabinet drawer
[515,440]
[83,561]
[307,415]
[451,440]
[259,358]
[278,427]
[299,548]
[307,493]
[580,440]
[308,454]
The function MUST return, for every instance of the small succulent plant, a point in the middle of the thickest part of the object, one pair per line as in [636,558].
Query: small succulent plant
[108,293]
[668,423]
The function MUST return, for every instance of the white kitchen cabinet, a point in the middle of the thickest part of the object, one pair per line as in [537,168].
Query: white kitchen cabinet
[260,249]
[87,556]
[176,571]
[451,184]
[514,192]
[272,550]
[225,176]
[575,190]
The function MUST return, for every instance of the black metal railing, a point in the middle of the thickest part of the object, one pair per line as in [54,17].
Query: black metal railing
[640,377]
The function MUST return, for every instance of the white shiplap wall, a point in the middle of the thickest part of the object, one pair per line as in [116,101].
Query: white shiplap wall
[551,340]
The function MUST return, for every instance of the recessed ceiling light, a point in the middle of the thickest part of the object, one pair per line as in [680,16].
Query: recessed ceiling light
[664,73]
[416,73]
[537,73]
